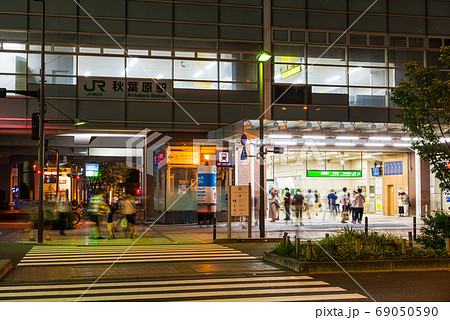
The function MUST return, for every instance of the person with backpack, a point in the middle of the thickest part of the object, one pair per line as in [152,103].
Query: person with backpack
[359,206]
[297,203]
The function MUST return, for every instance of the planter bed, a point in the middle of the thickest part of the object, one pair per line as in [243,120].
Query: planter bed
[356,266]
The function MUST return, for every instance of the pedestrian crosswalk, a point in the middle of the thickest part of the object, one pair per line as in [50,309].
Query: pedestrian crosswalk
[256,288]
[82,255]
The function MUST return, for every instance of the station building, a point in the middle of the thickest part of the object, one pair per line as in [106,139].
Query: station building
[188,69]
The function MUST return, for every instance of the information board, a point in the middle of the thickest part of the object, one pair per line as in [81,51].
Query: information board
[239,201]
[393,168]
[91,169]
[206,191]
[333,174]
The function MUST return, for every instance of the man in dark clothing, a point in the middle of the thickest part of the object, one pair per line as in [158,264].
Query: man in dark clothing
[287,203]
[297,203]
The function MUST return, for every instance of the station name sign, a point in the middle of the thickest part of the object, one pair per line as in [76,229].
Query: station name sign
[109,88]
[334,174]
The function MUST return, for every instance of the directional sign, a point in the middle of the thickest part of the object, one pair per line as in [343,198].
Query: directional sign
[334,174]
[278,150]
[244,154]
[244,139]
[206,192]
[224,158]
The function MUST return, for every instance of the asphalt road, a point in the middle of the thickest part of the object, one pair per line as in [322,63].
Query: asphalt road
[395,286]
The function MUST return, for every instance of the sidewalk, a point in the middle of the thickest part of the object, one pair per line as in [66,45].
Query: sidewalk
[313,228]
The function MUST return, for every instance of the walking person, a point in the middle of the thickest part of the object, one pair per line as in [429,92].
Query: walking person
[359,205]
[351,203]
[406,204]
[343,202]
[274,205]
[297,203]
[287,204]
[401,209]
[129,211]
[330,205]
[310,201]
[63,209]
[317,201]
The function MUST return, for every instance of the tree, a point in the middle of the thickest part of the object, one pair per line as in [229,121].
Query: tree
[110,175]
[424,102]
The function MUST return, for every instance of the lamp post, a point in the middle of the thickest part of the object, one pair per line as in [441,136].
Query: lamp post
[262,57]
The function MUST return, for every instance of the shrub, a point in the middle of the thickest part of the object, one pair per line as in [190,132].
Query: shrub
[342,246]
[435,231]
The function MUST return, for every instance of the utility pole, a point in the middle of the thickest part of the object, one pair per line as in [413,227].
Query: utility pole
[41,149]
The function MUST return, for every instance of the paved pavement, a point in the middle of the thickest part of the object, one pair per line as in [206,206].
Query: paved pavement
[313,228]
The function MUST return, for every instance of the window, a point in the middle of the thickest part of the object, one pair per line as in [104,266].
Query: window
[89,50]
[11,62]
[326,55]
[370,77]
[113,51]
[360,39]
[398,41]
[367,57]
[101,66]
[149,68]
[327,75]
[318,37]
[289,73]
[14,46]
[63,65]
[238,71]
[367,97]
[161,53]
[399,57]
[377,40]
[195,70]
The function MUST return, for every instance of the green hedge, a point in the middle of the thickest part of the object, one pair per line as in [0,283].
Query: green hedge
[342,246]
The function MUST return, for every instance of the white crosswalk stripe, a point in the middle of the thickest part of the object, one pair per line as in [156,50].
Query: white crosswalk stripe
[252,288]
[69,255]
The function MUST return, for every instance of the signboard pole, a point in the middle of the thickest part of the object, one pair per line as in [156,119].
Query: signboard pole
[249,211]
[229,214]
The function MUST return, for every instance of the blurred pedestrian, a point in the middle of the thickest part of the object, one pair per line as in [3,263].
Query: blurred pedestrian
[310,202]
[128,209]
[274,205]
[287,204]
[359,205]
[297,204]
[63,210]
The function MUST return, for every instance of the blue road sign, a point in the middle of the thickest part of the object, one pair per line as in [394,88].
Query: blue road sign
[244,155]
[278,150]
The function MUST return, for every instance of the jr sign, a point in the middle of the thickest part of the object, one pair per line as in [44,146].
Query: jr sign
[108,88]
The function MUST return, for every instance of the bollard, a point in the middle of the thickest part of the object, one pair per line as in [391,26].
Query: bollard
[410,239]
[297,247]
[366,225]
[358,246]
[403,246]
[308,249]
[288,242]
[447,245]
[214,228]
[414,228]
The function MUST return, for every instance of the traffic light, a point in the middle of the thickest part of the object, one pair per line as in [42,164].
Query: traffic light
[138,191]
[35,126]
[38,171]
[78,177]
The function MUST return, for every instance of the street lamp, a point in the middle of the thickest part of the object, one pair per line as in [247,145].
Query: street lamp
[262,57]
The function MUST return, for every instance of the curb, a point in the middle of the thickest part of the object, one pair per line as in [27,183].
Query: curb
[248,240]
[5,266]
[356,266]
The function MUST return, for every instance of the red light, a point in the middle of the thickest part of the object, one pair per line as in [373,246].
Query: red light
[78,177]
[138,191]
[38,171]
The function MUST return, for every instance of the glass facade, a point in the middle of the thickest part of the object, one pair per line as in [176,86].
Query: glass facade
[206,51]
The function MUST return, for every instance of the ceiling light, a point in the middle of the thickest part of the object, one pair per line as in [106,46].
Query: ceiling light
[374,144]
[309,143]
[285,143]
[380,138]
[406,139]
[345,144]
[442,140]
[402,145]
[280,136]
[314,137]
[347,138]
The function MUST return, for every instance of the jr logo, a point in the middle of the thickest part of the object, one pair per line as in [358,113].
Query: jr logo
[100,84]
